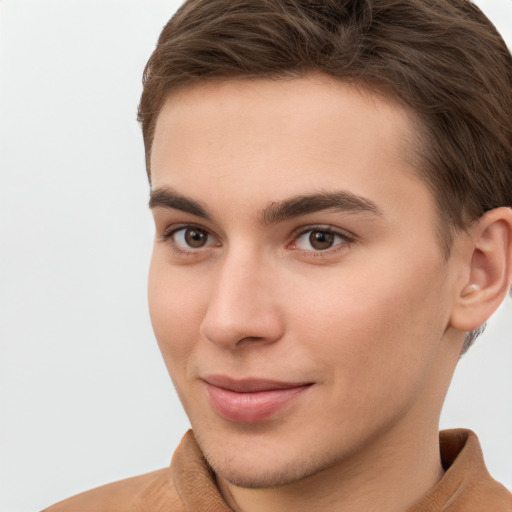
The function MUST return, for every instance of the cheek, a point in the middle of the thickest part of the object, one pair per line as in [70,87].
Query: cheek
[175,307]
[377,331]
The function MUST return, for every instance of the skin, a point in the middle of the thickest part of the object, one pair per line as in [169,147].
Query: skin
[367,322]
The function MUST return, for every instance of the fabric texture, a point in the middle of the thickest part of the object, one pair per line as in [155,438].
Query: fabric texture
[188,485]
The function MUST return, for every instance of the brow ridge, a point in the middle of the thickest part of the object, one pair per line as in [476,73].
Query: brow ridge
[169,198]
[276,211]
[342,200]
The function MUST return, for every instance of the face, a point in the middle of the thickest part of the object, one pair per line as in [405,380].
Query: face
[297,288]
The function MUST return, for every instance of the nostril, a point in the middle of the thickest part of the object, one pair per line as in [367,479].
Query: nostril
[232,331]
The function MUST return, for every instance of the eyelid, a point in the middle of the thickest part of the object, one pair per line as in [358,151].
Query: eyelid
[347,237]
[167,236]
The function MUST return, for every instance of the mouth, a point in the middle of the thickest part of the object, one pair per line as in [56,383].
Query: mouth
[251,400]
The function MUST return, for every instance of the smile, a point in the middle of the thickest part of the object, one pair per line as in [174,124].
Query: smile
[251,400]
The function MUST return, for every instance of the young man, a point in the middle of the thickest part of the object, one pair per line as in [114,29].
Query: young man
[331,184]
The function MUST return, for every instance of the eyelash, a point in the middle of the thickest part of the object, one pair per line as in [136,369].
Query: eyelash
[346,240]
[168,237]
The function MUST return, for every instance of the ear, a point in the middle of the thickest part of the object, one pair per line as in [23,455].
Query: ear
[489,256]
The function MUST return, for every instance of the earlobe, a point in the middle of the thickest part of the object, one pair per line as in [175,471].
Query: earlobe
[489,257]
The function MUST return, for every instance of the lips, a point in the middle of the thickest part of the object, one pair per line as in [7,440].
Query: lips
[250,400]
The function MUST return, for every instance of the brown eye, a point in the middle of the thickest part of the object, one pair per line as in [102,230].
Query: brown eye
[195,237]
[190,237]
[321,240]
[318,239]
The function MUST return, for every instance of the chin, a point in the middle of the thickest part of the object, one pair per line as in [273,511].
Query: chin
[260,468]
[265,475]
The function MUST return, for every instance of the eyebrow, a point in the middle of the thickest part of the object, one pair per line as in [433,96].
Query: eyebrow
[277,211]
[342,201]
[169,198]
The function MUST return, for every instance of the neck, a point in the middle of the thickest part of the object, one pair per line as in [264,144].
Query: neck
[389,476]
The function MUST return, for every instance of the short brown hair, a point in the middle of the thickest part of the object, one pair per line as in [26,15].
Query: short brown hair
[442,58]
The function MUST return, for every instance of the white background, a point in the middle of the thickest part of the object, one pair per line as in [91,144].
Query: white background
[85,397]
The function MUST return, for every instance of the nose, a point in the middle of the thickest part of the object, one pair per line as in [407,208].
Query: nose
[243,305]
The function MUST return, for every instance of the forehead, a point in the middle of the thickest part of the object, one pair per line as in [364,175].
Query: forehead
[255,141]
